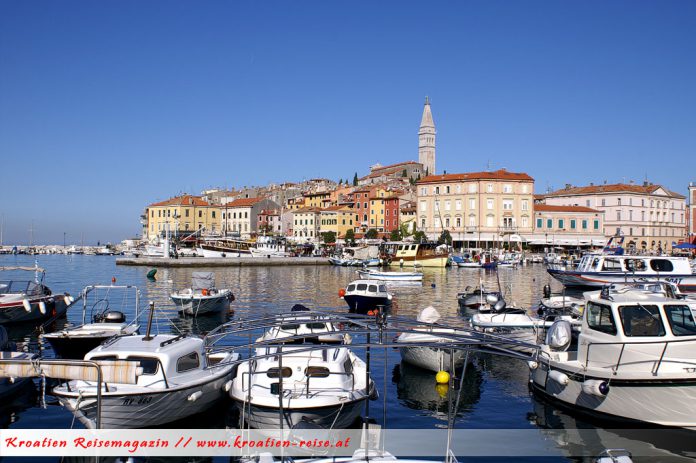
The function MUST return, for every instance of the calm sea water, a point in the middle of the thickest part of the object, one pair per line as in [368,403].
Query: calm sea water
[495,395]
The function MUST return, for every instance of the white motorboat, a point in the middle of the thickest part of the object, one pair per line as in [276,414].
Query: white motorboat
[479,299]
[635,359]
[202,297]
[224,247]
[177,379]
[597,270]
[301,326]
[370,274]
[519,326]
[326,386]
[104,251]
[104,320]
[363,296]
[430,357]
[469,264]
[269,246]
[74,250]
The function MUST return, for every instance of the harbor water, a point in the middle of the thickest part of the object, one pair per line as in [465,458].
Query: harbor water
[494,395]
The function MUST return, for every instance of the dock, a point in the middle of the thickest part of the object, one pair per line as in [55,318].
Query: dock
[221,261]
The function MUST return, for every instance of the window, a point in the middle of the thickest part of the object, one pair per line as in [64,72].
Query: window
[681,320]
[525,221]
[595,225]
[187,362]
[524,188]
[372,288]
[489,221]
[540,223]
[447,189]
[275,372]
[507,204]
[447,222]
[619,201]
[618,215]
[213,214]
[600,318]
[472,188]
[459,188]
[316,372]
[459,222]
[489,188]
[150,365]
[604,202]
[437,190]
[423,223]
[424,191]
[641,320]
[200,214]
[458,205]
[525,205]
[573,224]
[186,212]
[489,204]
[423,206]
[472,220]
[561,223]
[549,223]
[448,205]
[661,265]
[587,203]
[472,203]
[584,224]
[507,188]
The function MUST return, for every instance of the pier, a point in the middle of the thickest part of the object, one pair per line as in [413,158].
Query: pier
[221,261]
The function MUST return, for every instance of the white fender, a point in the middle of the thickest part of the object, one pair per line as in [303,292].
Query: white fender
[68,300]
[42,307]
[595,387]
[227,386]
[195,396]
[26,304]
[560,378]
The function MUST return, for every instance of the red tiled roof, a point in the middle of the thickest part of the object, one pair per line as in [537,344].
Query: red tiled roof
[184,200]
[500,174]
[306,210]
[550,208]
[245,202]
[612,188]
[336,208]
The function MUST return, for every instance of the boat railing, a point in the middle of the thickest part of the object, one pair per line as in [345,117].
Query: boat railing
[656,363]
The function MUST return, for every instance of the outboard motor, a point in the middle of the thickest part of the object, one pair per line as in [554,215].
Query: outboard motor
[547,291]
[113,316]
[500,305]
[559,335]
[299,308]
[492,299]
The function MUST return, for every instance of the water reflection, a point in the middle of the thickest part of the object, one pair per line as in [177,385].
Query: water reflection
[417,390]
[577,437]
[11,406]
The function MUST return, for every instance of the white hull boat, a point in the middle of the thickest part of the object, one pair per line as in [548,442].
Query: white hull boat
[634,360]
[177,379]
[391,276]
[203,297]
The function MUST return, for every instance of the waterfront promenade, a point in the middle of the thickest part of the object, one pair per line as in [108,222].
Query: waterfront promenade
[221,261]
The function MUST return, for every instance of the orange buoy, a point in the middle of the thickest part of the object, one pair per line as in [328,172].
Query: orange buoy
[113,280]
[204,292]
[370,312]
[341,292]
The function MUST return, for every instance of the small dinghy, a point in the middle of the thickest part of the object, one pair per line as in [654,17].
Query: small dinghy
[203,297]
[363,296]
[478,299]
[163,378]
[106,321]
[430,357]
[370,274]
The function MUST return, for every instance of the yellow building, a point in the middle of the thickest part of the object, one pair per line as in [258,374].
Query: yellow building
[184,214]
[317,199]
[305,226]
[338,219]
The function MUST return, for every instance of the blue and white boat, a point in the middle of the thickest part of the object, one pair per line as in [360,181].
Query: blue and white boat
[390,276]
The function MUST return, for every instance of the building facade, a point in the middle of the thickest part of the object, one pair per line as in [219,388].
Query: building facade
[183,214]
[337,219]
[306,224]
[572,226]
[692,212]
[650,217]
[240,217]
[269,222]
[476,207]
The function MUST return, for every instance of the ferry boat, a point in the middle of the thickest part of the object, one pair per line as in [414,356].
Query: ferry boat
[634,361]
[415,254]
[597,270]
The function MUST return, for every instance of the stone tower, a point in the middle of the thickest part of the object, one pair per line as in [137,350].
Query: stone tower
[426,139]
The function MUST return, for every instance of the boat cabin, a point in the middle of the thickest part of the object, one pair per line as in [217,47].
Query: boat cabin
[166,360]
[371,288]
[634,330]
[312,329]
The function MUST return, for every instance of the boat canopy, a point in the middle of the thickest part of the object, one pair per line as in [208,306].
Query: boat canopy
[203,280]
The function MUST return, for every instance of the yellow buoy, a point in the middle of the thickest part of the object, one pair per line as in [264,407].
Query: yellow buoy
[442,377]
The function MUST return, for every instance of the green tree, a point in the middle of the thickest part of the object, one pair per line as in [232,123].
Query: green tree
[371,234]
[355,179]
[329,237]
[350,237]
[412,181]
[420,236]
[404,173]
[395,235]
[445,238]
[405,230]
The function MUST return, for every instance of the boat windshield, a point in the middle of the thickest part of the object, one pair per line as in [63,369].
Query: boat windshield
[30,288]
[351,287]
[681,320]
[362,287]
[382,289]
[641,320]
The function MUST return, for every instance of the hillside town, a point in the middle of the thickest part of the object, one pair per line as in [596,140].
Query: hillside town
[412,198]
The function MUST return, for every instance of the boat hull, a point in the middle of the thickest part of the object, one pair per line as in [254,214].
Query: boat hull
[202,305]
[75,347]
[364,304]
[338,416]
[54,306]
[433,359]
[390,276]
[685,283]
[144,409]
[665,402]
[409,261]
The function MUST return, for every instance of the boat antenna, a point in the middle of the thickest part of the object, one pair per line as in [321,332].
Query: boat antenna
[149,322]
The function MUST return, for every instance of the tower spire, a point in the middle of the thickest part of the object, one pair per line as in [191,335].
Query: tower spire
[426,139]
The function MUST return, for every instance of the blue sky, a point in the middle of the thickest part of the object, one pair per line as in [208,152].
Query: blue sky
[108,106]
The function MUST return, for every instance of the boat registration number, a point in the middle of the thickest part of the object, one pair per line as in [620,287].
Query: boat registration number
[137,401]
